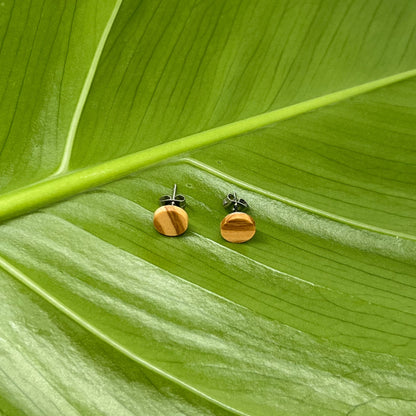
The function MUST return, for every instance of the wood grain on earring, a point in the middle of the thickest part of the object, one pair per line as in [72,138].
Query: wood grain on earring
[238,227]
[170,220]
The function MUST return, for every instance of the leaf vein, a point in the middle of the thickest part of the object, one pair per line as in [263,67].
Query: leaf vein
[85,91]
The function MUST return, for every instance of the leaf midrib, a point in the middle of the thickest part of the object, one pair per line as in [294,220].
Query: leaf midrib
[57,188]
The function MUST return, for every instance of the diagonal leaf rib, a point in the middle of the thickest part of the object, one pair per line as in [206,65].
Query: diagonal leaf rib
[17,274]
[85,90]
[288,201]
[54,189]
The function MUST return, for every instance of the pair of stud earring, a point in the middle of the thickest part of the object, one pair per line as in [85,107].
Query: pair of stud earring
[172,220]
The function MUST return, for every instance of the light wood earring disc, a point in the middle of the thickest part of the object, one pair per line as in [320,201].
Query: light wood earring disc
[238,227]
[170,220]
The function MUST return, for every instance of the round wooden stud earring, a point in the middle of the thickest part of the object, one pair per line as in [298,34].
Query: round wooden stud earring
[237,227]
[171,219]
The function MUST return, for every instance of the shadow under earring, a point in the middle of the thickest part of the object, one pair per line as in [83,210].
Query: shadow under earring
[171,219]
[237,227]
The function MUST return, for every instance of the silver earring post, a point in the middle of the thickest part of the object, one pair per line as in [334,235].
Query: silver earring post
[177,200]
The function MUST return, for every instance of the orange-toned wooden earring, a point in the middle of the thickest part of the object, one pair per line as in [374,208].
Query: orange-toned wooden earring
[171,219]
[237,227]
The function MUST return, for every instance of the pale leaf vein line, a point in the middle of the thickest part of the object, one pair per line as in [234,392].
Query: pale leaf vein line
[85,91]
[27,281]
[291,202]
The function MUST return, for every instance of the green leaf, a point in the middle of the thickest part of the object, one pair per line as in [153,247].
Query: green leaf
[306,109]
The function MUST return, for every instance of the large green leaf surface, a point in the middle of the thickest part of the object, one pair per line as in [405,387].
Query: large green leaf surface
[306,109]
